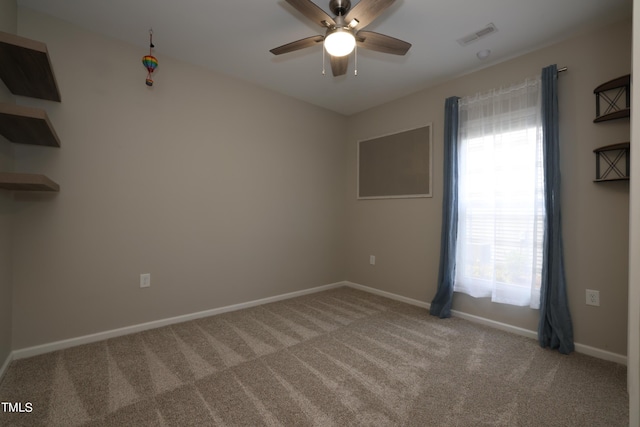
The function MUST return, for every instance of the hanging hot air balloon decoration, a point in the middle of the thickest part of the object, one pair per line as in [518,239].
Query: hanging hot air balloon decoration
[149,61]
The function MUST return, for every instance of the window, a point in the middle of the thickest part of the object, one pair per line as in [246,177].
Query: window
[501,196]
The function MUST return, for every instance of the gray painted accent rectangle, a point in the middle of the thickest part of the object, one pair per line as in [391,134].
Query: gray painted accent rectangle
[397,165]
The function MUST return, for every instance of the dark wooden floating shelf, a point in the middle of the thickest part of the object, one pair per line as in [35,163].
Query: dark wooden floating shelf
[626,178]
[618,146]
[26,69]
[620,114]
[614,84]
[26,125]
[27,182]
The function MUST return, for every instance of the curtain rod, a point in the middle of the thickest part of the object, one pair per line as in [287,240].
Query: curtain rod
[562,69]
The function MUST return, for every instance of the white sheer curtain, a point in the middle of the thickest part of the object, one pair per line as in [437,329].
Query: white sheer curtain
[501,195]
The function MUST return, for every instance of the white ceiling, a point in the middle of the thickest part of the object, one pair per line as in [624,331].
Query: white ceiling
[234,37]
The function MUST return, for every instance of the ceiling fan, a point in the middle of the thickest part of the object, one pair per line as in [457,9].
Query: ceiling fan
[344,31]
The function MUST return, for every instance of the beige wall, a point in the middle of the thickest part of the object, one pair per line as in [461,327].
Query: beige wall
[8,23]
[405,234]
[223,191]
[8,16]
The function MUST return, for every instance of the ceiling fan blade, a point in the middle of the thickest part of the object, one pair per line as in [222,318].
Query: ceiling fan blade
[339,65]
[297,45]
[381,43]
[313,12]
[366,11]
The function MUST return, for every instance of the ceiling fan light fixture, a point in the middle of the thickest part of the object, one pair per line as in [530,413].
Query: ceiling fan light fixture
[339,42]
[341,29]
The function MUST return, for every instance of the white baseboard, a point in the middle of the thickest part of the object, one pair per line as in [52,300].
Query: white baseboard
[580,348]
[601,354]
[496,325]
[388,295]
[5,365]
[86,339]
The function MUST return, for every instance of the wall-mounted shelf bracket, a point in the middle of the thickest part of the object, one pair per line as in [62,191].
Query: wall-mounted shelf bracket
[612,162]
[613,99]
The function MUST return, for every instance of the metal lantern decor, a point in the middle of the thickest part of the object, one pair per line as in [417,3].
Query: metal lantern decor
[149,61]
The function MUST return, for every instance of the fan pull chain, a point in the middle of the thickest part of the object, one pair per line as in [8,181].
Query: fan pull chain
[323,60]
[355,71]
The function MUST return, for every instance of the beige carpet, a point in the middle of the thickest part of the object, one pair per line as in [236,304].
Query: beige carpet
[337,358]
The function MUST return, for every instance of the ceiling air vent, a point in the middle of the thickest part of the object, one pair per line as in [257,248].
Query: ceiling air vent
[489,29]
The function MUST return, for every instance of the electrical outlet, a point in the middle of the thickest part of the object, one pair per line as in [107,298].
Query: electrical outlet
[593,297]
[372,259]
[145,280]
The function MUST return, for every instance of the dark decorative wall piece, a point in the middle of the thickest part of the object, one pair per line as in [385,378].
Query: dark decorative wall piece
[612,162]
[613,99]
